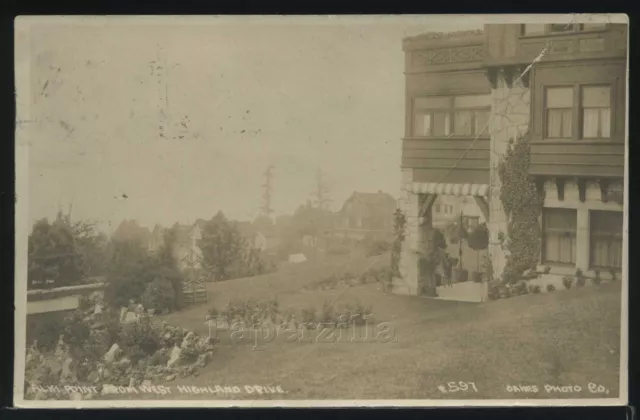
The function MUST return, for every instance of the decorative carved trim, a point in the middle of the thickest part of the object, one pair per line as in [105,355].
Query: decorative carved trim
[560,182]
[492,76]
[604,189]
[582,189]
[447,55]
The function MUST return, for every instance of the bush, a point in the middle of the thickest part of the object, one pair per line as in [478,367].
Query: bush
[567,282]
[159,295]
[613,274]
[597,280]
[551,288]
[45,329]
[309,317]
[76,331]
[547,270]
[494,293]
[139,338]
[535,289]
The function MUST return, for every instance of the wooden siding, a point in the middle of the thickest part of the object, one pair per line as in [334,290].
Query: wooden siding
[578,156]
[593,159]
[452,160]
[505,45]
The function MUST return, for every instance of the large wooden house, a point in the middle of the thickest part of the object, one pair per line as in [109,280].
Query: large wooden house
[469,94]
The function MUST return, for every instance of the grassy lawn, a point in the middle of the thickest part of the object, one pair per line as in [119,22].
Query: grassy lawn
[563,338]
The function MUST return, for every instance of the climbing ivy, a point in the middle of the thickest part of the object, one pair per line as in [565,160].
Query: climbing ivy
[400,223]
[522,203]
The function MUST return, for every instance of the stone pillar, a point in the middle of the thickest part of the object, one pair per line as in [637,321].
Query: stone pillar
[409,204]
[582,240]
[510,111]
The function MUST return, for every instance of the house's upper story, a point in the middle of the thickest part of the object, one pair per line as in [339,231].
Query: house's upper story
[367,211]
[574,77]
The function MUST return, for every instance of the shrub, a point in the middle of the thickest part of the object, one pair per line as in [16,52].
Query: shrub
[567,282]
[45,329]
[159,295]
[535,289]
[327,315]
[597,279]
[75,331]
[494,293]
[520,288]
[613,274]
[139,338]
[551,288]
[309,317]
[547,270]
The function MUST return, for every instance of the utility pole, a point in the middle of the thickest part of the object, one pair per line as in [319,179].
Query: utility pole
[267,188]
[322,191]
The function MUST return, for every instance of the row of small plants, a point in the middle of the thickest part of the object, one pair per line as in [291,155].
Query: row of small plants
[503,291]
[335,281]
[258,314]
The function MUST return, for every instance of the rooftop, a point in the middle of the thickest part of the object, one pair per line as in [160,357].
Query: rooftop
[432,39]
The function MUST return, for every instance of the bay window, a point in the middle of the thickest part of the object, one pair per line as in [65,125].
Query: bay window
[559,236]
[581,111]
[444,116]
[605,237]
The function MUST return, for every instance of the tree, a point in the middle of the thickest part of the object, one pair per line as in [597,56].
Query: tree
[63,252]
[222,246]
[136,275]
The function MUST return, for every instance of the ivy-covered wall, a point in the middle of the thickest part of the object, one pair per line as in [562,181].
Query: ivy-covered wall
[522,203]
[510,120]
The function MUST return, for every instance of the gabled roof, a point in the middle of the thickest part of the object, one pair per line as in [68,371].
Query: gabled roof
[379,200]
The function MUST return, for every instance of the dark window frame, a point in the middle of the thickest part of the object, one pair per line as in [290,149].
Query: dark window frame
[610,236]
[544,229]
[450,110]
[577,119]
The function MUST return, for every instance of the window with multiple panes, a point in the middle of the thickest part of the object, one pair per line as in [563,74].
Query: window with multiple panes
[559,236]
[590,105]
[605,237]
[559,112]
[596,111]
[444,116]
[559,28]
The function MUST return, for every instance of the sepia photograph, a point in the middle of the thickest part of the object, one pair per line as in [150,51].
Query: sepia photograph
[305,211]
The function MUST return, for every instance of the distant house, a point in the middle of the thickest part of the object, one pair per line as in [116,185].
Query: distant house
[156,239]
[366,214]
[186,249]
[266,240]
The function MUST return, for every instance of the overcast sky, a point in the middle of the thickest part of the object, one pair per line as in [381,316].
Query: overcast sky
[300,97]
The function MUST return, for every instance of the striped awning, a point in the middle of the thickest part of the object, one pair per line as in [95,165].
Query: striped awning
[481,190]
